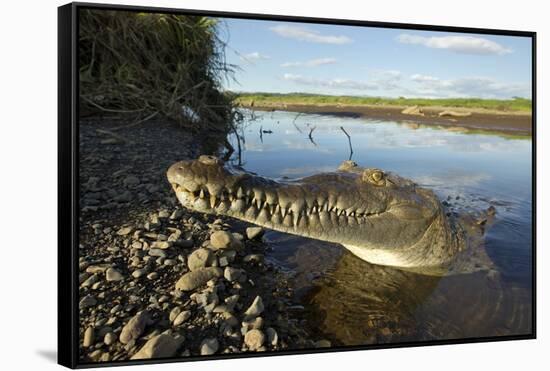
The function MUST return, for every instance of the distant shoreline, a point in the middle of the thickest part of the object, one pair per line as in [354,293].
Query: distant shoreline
[512,123]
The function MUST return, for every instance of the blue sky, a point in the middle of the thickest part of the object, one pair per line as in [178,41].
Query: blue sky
[284,57]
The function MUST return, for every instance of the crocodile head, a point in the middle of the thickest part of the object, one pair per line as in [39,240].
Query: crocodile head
[379,216]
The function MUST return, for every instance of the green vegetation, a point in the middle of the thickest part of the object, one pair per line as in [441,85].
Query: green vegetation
[268,99]
[145,65]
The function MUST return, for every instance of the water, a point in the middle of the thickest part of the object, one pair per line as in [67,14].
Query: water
[353,302]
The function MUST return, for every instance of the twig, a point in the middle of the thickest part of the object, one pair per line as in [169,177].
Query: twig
[349,141]
[108,109]
[261,135]
[297,128]
[110,133]
[298,115]
[311,137]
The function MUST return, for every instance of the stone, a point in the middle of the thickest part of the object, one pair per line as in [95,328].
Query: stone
[139,272]
[200,277]
[272,336]
[255,308]
[254,232]
[200,258]
[89,335]
[161,245]
[323,344]
[159,346]
[182,317]
[221,239]
[254,339]
[113,275]
[174,313]
[124,231]
[257,258]
[131,181]
[209,346]
[157,252]
[98,268]
[90,280]
[134,328]
[153,275]
[109,338]
[233,274]
[87,301]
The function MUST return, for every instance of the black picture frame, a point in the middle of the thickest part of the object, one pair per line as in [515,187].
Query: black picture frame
[68,169]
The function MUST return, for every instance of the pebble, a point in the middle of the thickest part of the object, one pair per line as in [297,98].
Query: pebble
[113,275]
[253,258]
[272,336]
[134,328]
[157,252]
[255,308]
[88,337]
[221,239]
[254,232]
[182,317]
[209,346]
[174,313]
[124,231]
[254,339]
[98,268]
[199,258]
[159,346]
[109,338]
[161,245]
[139,273]
[194,279]
[131,181]
[87,301]
[153,275]
[323,344]
[233,274]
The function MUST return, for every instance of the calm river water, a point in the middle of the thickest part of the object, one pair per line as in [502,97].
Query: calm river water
[352,302]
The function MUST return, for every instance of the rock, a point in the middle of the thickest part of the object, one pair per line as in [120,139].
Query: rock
[176,214]
[454,114]
[182,317]
[221,240]
[199,258]
[161,245]
[255,308]
[258,258]
[139,272]
[254,232]
[90,280]
[124,231]
[254,339]
[272,336]
[89,335]
[134,328]
[174,313]
[157,252]
[233,274]
[209,346]
[98,268]
[159,346]
[323,344]
[414,110]
[153,275]
[200,277]
[87,301]
[131,181]
[113,275]
[231,302]
[109,338]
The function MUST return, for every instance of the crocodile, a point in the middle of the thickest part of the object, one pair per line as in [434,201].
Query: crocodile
[379,216]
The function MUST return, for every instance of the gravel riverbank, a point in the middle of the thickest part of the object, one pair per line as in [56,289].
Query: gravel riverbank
[157,280]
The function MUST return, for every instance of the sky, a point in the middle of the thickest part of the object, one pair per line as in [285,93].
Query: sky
[284,57]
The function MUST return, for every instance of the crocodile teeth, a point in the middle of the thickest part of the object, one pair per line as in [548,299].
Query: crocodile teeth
[213,201]
[201,195]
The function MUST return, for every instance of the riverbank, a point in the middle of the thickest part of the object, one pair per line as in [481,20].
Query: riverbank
[156,280]
[515,123]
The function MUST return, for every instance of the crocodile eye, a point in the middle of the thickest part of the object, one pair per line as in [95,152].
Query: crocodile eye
[377,176]
[374,176]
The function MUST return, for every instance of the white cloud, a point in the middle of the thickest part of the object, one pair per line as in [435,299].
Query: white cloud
[253,57]
[481,87]
[457,44]
[310,63]
[331,83]
[305,34]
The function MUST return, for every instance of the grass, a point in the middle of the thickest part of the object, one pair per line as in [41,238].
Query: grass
[507,105]
[144,65]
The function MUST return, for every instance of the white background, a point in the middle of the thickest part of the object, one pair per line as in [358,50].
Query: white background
[28,64]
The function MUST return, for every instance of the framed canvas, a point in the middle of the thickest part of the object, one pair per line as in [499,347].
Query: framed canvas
[238,185]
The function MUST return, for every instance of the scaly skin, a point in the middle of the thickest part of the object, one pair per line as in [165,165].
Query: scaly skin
[380,217]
